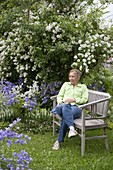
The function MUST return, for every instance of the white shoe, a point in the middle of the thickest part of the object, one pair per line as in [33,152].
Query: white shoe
[56,145]
[72,132]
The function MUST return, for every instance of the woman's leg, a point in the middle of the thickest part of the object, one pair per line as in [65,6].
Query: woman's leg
[57,110]
[76,111]
[67,115]
[63,127]
[62,131]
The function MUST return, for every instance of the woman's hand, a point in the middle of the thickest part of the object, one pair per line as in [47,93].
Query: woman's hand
[70,100]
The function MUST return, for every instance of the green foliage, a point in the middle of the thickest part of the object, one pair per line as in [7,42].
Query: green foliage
[37,120]
[102,80]
[46,38]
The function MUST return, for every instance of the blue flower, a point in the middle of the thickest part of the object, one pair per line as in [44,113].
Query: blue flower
[9,142]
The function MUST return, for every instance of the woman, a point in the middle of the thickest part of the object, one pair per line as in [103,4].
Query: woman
[70,96]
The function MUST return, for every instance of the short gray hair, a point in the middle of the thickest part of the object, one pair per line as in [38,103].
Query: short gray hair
[77,72]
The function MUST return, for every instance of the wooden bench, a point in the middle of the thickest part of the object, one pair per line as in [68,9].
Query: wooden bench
[94,115]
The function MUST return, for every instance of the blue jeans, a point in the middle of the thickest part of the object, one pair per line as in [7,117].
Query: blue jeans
[68,113]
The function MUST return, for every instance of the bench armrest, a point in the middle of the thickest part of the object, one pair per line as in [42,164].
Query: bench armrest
[53,97]
[94,102]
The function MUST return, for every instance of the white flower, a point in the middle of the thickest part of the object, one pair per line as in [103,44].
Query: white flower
[80,68]
[78,60]
[101,27]
[31,59]
[74,64]
[102,35]
[80,54]
[1,48]
[87,70]
[75,57]
[108,44]
[26,67]
[92,47]
[111,50]
[104,55]
[85,64]
[84,60]
[83,45]
[92,50]
[53,38]
[57,28]
[26,57]
[106,38]
[54,23]
[21,67]
[80,48]
[54,31]
[105,49]
[93,61]
[92,56]
[49,27]
[86,55]
[87,42]
[80,41]
[103,42]
[59,36]
[73,42]
[89,62]
[96,44]
[97,35]
[50,5]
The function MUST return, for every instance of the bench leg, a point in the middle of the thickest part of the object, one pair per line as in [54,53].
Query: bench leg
[82,144]
[106,139]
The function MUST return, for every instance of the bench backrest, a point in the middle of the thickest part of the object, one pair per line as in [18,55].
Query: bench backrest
[102,107]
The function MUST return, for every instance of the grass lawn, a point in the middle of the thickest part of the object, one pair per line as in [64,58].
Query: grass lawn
[69,156]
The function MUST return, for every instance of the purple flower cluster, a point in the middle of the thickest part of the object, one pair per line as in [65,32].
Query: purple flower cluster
[30,103]
[47,90]
[23,159]
[11,98]
[7,91]
[97,87]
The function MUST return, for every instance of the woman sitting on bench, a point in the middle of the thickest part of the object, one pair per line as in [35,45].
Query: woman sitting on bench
[71,95]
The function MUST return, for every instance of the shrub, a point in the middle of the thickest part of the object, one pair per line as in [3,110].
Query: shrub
[55,38]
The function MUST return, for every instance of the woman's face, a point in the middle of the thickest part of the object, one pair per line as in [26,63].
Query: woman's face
[73,78]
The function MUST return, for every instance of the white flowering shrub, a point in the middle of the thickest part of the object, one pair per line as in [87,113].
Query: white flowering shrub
[93,51]
[56,37]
